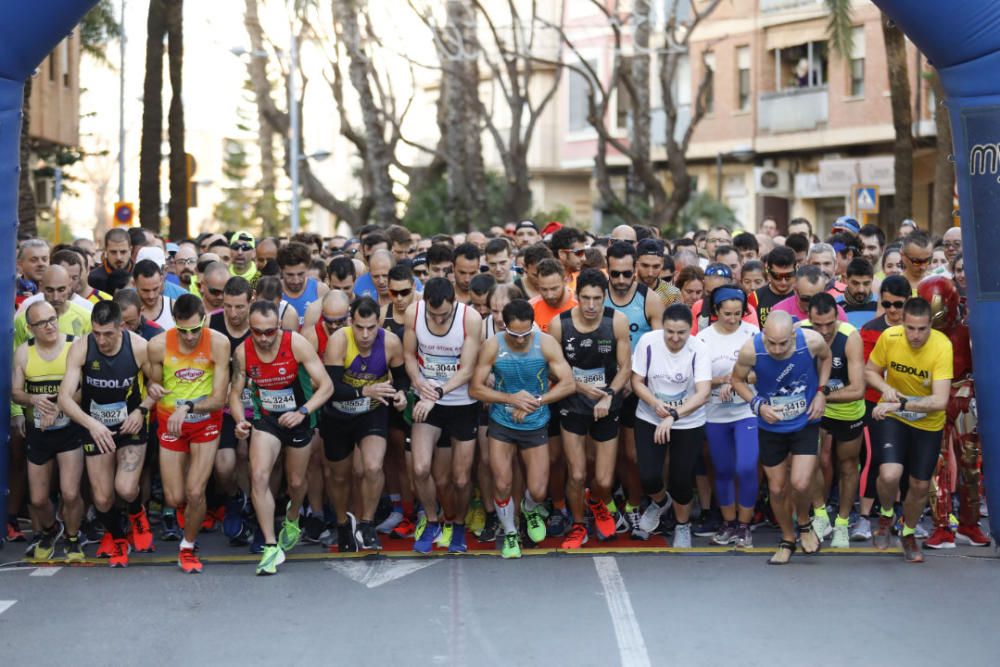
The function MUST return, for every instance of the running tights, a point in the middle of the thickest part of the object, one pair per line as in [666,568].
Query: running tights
[734,454]
[685,445]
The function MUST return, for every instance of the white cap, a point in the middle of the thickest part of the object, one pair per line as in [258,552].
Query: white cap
[154,253]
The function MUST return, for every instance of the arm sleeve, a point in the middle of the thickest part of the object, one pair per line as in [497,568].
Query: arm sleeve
[341,390]
[400,379]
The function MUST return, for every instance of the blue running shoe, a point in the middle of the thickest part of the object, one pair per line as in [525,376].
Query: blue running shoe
[457,545]
[558,523]
[425,544]
[257,545]
[232,524]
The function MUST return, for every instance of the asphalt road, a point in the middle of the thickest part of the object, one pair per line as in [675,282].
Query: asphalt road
[649,609]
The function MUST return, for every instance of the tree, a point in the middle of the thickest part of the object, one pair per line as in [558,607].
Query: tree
[944,168]
[150,154]
[178,207]
[99,27]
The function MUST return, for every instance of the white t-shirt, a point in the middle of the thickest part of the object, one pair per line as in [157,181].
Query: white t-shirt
[724,349]
[671,377]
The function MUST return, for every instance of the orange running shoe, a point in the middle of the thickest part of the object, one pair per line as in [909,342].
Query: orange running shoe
[188,561]
[106,548]
[119,558]
[404,529]
[141,536]
[575,538]
[604,523]
[973,535]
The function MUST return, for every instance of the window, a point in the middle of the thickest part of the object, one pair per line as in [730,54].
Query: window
[52,66]
[679,11]
[857,62]
[64,58]
[709,61]
[579,90]
[743,78]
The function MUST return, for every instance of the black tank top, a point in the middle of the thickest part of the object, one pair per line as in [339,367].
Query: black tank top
[111,387]
[592,356]
[218,323]
[391,324]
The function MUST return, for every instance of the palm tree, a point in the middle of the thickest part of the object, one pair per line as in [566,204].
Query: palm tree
[178,206]
[152,118]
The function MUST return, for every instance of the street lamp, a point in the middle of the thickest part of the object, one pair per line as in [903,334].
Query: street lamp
[741,154]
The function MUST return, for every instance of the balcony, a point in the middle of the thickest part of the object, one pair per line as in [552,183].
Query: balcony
[771,6]
[793,110]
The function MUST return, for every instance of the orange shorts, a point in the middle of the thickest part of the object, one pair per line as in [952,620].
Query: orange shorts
[191,433]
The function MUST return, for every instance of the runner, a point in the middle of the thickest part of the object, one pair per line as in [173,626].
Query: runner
[403,293]
[790,366]
[595,342]
[672,376]
[498,258]
[521,360]
[39,367]
[858,301]
[649,266]
[106,367]
[529,259]
[730,426]
[441,342]
[244,248]
[156,307]
[842,426]
[912,366]
[297,289]
[916,257]
[192,364]
[276,363]
[465,260]
[359,360]
[780,264]
[131,306]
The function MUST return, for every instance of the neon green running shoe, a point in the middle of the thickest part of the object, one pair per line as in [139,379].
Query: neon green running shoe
[269,562]
[444,537]
[511,548]
[421,524]
[535,524]
[289,535]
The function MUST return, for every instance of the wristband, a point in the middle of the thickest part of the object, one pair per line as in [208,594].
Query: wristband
[755,404]
[440,392]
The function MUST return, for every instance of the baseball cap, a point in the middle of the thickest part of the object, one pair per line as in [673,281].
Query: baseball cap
[243,237]
[526,224]
[848,224]
[419,259]
[172,248]
[551,228]
[151,253]
[649,247]
[717,269]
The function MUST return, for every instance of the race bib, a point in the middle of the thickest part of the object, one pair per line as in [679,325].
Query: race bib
[789,407]
[247,398]
[672,401]
[734,398]
[356,407]
[835,385]
[111,414]
[62,421]
[591,376]
[439,368]
[278,400]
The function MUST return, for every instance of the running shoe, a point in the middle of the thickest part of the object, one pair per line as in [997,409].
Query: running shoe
[107,546]
[425,543]
[972,535]
[245,536]
[511,548]
[347,535]
[941,538]
[821,526]
[920,532]
[141,537]
[444,537]
[170,531]
[883,534]
[490,529]
[862,530]
[313,529]
[475,518]
[91,532]
[575,538]
[911,549]
[390,523]
[708,524]
[73,549]
[272,558]
[257,543]
[682,536]
[188,561]
[621,523]
[633,518]
[650,519]
[232,523]
[557,524]
[405,529]
[36,539]
[418,530]
[744,536]
[289,535]
[46,547]
[14,533]
[457,543]
[119,555]
[726,535]
[536,527]
[604,523]
[841,537]
[367,537]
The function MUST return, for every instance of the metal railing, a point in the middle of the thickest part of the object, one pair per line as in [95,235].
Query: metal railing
[793,110]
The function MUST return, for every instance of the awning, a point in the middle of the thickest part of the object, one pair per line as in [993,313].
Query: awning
[795,34]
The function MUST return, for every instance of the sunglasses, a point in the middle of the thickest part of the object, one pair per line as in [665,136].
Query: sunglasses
[484,268]
[241,247]
[917,260]
[621,274]
[667,278]
[519,270]
[266,332]
[781,276]
[420,273]
[401,292]
[190,261]
[338,321]
[41,324]
[524,334]
[195,329]
[215,291]
[579,252]
[893,304]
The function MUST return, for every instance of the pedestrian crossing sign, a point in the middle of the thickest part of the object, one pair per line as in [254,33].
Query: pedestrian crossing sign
[866,198]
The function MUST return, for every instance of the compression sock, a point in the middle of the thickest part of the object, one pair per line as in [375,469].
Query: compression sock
[529,503]
[821,512]
[887,513]
[135,506]
[841,521]
[112,521]
[505,511]
[907,531]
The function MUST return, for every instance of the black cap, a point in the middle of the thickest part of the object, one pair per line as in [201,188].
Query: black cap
[524,224]
[419,259]
[649,247]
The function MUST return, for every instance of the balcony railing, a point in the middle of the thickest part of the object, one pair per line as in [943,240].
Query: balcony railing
[769,6]
[794,110]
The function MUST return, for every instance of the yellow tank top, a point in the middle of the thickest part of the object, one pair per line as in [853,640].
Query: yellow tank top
[186,376]
[43,377]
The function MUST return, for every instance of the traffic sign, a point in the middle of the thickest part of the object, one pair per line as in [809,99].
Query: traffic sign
[124,214]
[865,199]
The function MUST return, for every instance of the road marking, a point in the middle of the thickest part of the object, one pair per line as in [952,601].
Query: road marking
[373,575]
[6,604]
[44,571]
[631,646]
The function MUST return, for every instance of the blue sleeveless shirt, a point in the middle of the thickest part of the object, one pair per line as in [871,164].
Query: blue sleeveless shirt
[301,302]
[514,371]
[635,311]
[788,385]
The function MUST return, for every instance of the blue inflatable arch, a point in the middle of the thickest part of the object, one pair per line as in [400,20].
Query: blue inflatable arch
[961,38]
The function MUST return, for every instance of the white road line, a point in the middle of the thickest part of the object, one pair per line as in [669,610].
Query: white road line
[44,571]
[631,646]
[6,604]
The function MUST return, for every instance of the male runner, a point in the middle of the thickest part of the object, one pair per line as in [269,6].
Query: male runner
[858,301]
[275,364]
[916,257]
[791,366]
[465,259]
[441,341]
[243,245]
[595,342]
[191,362]
[842,426]
[297,288]
[39,367]
[649,267]
[117,257]
[521,360]
[912,366]
[780,282]
[498,259]
[365,363]
[156,307]
[105,366]
[526,234]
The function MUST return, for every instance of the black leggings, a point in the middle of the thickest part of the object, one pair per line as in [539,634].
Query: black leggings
[685,446]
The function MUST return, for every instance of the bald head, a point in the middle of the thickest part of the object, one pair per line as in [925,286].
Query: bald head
[383,258]
[623,233]
[952,243]
[336,308]
[336,298]
[56,287]
[779,324]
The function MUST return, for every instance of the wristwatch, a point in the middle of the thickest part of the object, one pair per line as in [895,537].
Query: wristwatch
[825,389]
[609,391]
[902,403]
[673,413]
[440,392]
[303,410]
[144,410]
[186,403]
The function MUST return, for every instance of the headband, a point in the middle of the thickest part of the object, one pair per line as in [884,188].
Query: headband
[727,293]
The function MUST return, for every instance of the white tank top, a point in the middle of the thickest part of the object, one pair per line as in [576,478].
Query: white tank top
[439,356]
